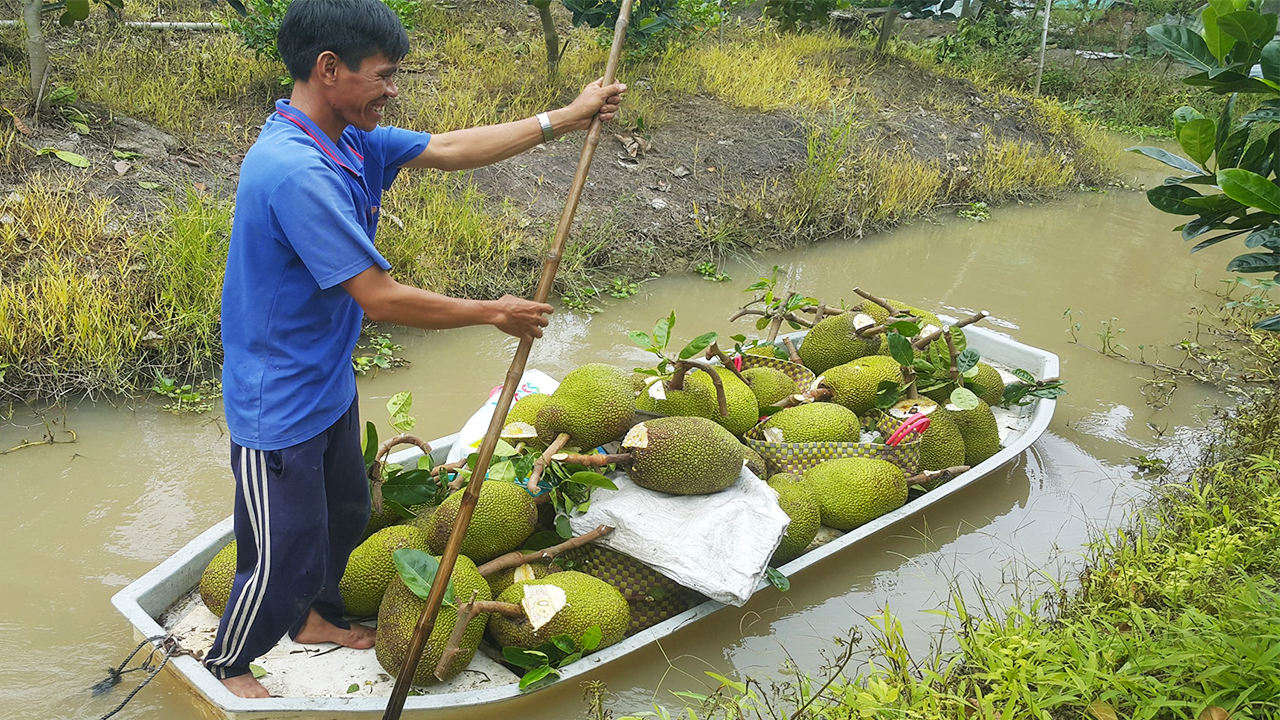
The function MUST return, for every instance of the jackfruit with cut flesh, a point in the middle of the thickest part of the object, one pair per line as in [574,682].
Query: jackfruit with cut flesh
[587,602]
[683,455]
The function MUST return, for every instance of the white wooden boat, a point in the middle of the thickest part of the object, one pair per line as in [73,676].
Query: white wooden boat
[157,601]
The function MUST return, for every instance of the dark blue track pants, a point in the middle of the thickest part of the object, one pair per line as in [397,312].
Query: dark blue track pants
[299,512]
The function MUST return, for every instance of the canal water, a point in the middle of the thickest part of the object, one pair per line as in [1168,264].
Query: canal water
[82,520]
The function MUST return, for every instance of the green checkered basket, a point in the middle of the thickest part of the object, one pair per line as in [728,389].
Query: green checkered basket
[803,376]
[799,457]
[652,596]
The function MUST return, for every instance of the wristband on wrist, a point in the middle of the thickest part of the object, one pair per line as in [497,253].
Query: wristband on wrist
[548,134]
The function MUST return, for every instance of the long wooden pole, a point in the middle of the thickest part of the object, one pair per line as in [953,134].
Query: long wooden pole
[427,621]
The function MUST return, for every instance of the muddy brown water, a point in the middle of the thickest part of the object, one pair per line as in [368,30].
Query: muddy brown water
[79,521]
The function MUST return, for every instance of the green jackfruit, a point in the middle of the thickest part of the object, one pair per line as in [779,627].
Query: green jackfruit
[835,341]
[763,351]
[370,567]
[588,601]
[814,422]
[979,429]
[769,384]
[595,404]
[941,446]
[215,581]
[987,385]
[855,384]
[689,401]
[683,455]
[744,411]
[398,616]
[504,517]
[797,501]
[854,491]
[652,596]
[536,570]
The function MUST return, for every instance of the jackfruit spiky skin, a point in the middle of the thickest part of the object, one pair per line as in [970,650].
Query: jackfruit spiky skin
[215,581]
[941,446]
[683,456]
[398,616]
[590,601]
[526,409]
[769,384]
[691,401]
[979,429]
[988,385]
[763,351]
[796,500]
[854,491]
[370,567]
[816,422]
[744,411]
[754,462]
[835,341]
[504,517]
[854,384]
[652,596]
[595,404]
[503,579]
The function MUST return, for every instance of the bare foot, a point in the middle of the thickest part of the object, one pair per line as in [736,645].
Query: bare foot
[246,686]
[318,630]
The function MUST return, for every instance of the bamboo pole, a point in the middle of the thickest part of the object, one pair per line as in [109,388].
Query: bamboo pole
[1044,41]
[427,621]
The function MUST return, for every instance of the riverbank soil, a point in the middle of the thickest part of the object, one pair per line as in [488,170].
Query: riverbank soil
[117,197]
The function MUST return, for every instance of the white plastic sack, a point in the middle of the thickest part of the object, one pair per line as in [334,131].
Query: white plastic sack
[472,433]
[717,544]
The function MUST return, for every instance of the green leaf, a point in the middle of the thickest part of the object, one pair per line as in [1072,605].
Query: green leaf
[641,339]
[1169,198]
[412,487]
[65,156]
[1216,38]
[1268,237]
[370,444]
[527,659]
[1232,148]
[569,659]
[1270,61]
[763,323]
[536,675]
[1255,263]
[1245,26]
[887,394]
[777,579]
[1216,239]
[62,95]
[964,398]
[125,154]
[733,684]
[398,407]
[901,350]
[418,571]
[1224,125]
[564,643]
[1250,188]
[591,638]
[563,527]
[541,540]
[1181,116]
[592,479]
[504,449]
[1202,225]
[967,359]
[353,687]
[1272,323]
[1168,158]
[1218,204]
[76,10]
[1184,44]
[906,328]
[257,671]
[1197,139]
[697,345]
[1024,376]
[662,331]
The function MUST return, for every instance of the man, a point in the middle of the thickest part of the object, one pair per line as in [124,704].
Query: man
[302,271]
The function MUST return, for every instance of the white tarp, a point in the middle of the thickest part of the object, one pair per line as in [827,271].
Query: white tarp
[717,544]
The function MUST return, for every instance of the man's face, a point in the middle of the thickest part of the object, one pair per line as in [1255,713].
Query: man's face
[361,95]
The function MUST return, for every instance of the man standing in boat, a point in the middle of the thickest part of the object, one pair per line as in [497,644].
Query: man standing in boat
[302,272]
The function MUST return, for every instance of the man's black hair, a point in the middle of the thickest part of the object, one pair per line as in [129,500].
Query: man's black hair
[352,29]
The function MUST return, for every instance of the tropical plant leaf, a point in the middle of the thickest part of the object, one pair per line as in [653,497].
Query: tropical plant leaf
[967,359]
[370,444]
[1272,323]
[1168,158]
[901,350]
[1245,26]
[1268,237]
[1250,189]
[1182,116]
[964,398]
[697,345]
[662,331]
[592,479]
[1270,61]
[1202,225]
[1169,198]
[65,156]
[418,570]
[1228,156]
[1216,239]
[1255,263]
[527,659]
[1216,38]
[1197,139]
[777,579]
[591,638]
[640,338]
[537,675]
[1184,44]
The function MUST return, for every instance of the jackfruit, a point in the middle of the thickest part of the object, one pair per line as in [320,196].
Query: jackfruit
[370,567]
[595,404]
[763,350]
[835,341]
[588,601]
[504,517]
[503,579]
[690,401]
[979,429]
[797,501]
[854,384]
[987,385]
[941,446]
[215,581]
[813,422]
[854,491]
[769,384]
[683,455]
[744,411]
[398,616]
[652,596]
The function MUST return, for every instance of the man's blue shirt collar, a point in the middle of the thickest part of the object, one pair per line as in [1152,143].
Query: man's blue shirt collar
[348,159]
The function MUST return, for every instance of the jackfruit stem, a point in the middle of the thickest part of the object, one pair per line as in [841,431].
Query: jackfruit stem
[595,461]
[955,368]
[466,613]
[818,394]
[879,301]
[715,352]
[924,340]
[515,558]
[541,463]
[380,461]
[774,327]
[684,366]
[929,476]
[791,350]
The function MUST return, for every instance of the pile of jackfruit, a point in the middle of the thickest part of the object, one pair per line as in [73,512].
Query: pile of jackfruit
[678,432]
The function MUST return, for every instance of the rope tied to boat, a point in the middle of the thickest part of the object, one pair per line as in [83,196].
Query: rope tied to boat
[163,647]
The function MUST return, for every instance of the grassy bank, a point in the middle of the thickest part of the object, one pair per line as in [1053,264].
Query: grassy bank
[111,276]
[1175,615]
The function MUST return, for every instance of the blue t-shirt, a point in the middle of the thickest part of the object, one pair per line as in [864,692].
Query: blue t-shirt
[306,213]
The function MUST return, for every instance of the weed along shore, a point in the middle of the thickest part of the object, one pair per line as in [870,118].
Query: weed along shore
[735,142]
